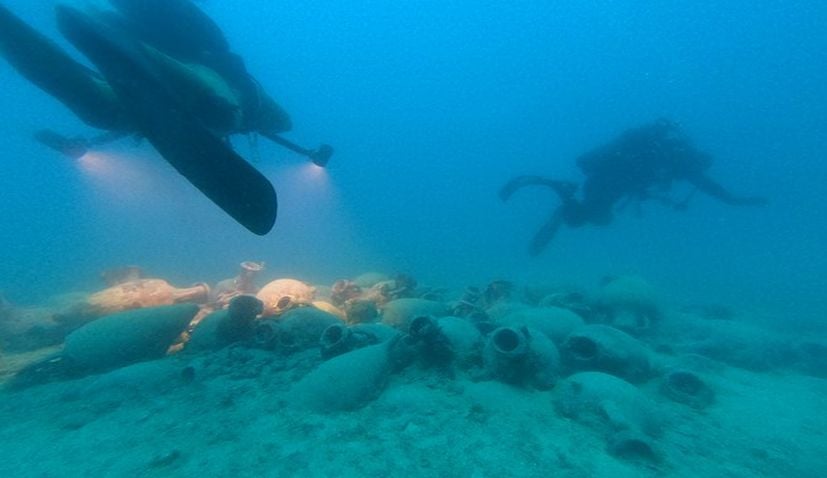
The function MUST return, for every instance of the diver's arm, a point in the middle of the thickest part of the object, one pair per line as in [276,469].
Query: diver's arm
[705,184]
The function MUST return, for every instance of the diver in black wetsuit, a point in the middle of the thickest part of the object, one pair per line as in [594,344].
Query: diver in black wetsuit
[165,73]
[641,164]
[180,42]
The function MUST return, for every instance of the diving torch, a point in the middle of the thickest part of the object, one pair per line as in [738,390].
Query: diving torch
[320,156]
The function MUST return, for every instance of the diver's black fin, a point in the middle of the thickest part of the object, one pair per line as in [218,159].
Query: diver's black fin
[200,156]
[546,233]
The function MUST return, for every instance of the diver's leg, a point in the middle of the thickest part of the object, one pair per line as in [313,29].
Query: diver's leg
[546,233]
[705,184]
[46,65]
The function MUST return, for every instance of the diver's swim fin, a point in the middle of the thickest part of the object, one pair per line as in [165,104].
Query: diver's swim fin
[52,70]
[158,114]
[546,233]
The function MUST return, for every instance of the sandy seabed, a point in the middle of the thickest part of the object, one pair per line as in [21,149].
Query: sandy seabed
[231,413]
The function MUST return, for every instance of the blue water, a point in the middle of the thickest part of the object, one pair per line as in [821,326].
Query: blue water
[431,106]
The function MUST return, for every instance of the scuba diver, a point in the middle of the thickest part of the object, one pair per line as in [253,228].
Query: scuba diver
[165,72]
[641,164]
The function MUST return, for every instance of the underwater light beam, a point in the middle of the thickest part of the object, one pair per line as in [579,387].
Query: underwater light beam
[314,174]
